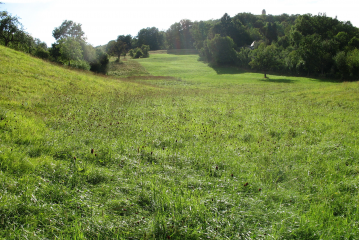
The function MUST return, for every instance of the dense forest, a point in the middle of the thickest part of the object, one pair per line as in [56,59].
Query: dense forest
[307,45]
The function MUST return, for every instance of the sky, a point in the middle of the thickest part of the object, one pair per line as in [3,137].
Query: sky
[104,20]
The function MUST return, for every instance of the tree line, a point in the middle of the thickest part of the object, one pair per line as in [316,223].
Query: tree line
[311,45]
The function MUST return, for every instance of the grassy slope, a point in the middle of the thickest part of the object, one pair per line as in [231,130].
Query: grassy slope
[172,158]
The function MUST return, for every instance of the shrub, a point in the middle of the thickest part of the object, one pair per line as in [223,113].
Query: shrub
[219,50]
[80,64]
[142,52]
[100,64]
[145,49]
[41,53]
[131,53]
[138,53]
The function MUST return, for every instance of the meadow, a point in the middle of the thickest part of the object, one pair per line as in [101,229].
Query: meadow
[169,148]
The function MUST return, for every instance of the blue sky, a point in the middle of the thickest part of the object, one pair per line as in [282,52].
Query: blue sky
[104,20]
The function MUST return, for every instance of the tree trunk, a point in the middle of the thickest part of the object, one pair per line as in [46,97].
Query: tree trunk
[265,75]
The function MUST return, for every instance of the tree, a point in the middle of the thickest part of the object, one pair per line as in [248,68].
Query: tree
[70,50]
[219,50]
[354,43]
[353,63]
[69,29]
[71,47]
[126,39]
[100,64]
[233,28]
[271,32]
[341,64]
[264,58]
[116,48]
[150,36]
[10,29]
[199,33]
[173,36]
[179,35]
[88,51]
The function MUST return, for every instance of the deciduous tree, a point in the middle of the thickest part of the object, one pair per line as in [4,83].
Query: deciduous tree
[219,50]
[264,58]
[116,48]
[70,50]
[10,29]
[69,29]
[150,36]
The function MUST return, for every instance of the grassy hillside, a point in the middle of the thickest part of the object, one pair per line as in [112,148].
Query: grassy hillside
[196,153]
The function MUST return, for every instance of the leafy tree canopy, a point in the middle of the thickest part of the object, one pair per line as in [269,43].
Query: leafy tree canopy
[69,29]
[116,48]
[150,36]
[70,50]
[264,58]
[10,29]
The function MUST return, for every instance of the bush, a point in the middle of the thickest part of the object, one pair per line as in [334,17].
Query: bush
[138,53]
[81,64]
[145,49]
[131,53]
[142,52]
[100,64]
[243,57]
[41,53]
[219,50]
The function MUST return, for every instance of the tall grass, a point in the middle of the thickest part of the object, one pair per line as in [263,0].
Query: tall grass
[207,154]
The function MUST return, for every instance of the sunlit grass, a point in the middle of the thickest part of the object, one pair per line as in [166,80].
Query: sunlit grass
[207,154]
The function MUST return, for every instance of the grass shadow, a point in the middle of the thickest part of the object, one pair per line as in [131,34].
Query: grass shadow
[278,80]
[327,80]
[228,70]
[182,51]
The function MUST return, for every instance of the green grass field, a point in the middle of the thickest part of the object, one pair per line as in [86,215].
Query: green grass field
[183,151]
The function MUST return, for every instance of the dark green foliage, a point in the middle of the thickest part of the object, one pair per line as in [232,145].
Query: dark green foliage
[179,35]
[100,64]
[243,57]
[353,63]
[142,52]
[145,49]
[41,50]
[125,39]
[150,36]
[71,47]
[219,50]
[232,28]
[10,29]
[116,48]
[69,29]
[354,42]
[199,33]
[54,51]
[305,44]
[80,64]
[264,58]
[137,53]
[270,32]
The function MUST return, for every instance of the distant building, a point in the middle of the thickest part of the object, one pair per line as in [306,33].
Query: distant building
[252,45]
[264,12]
